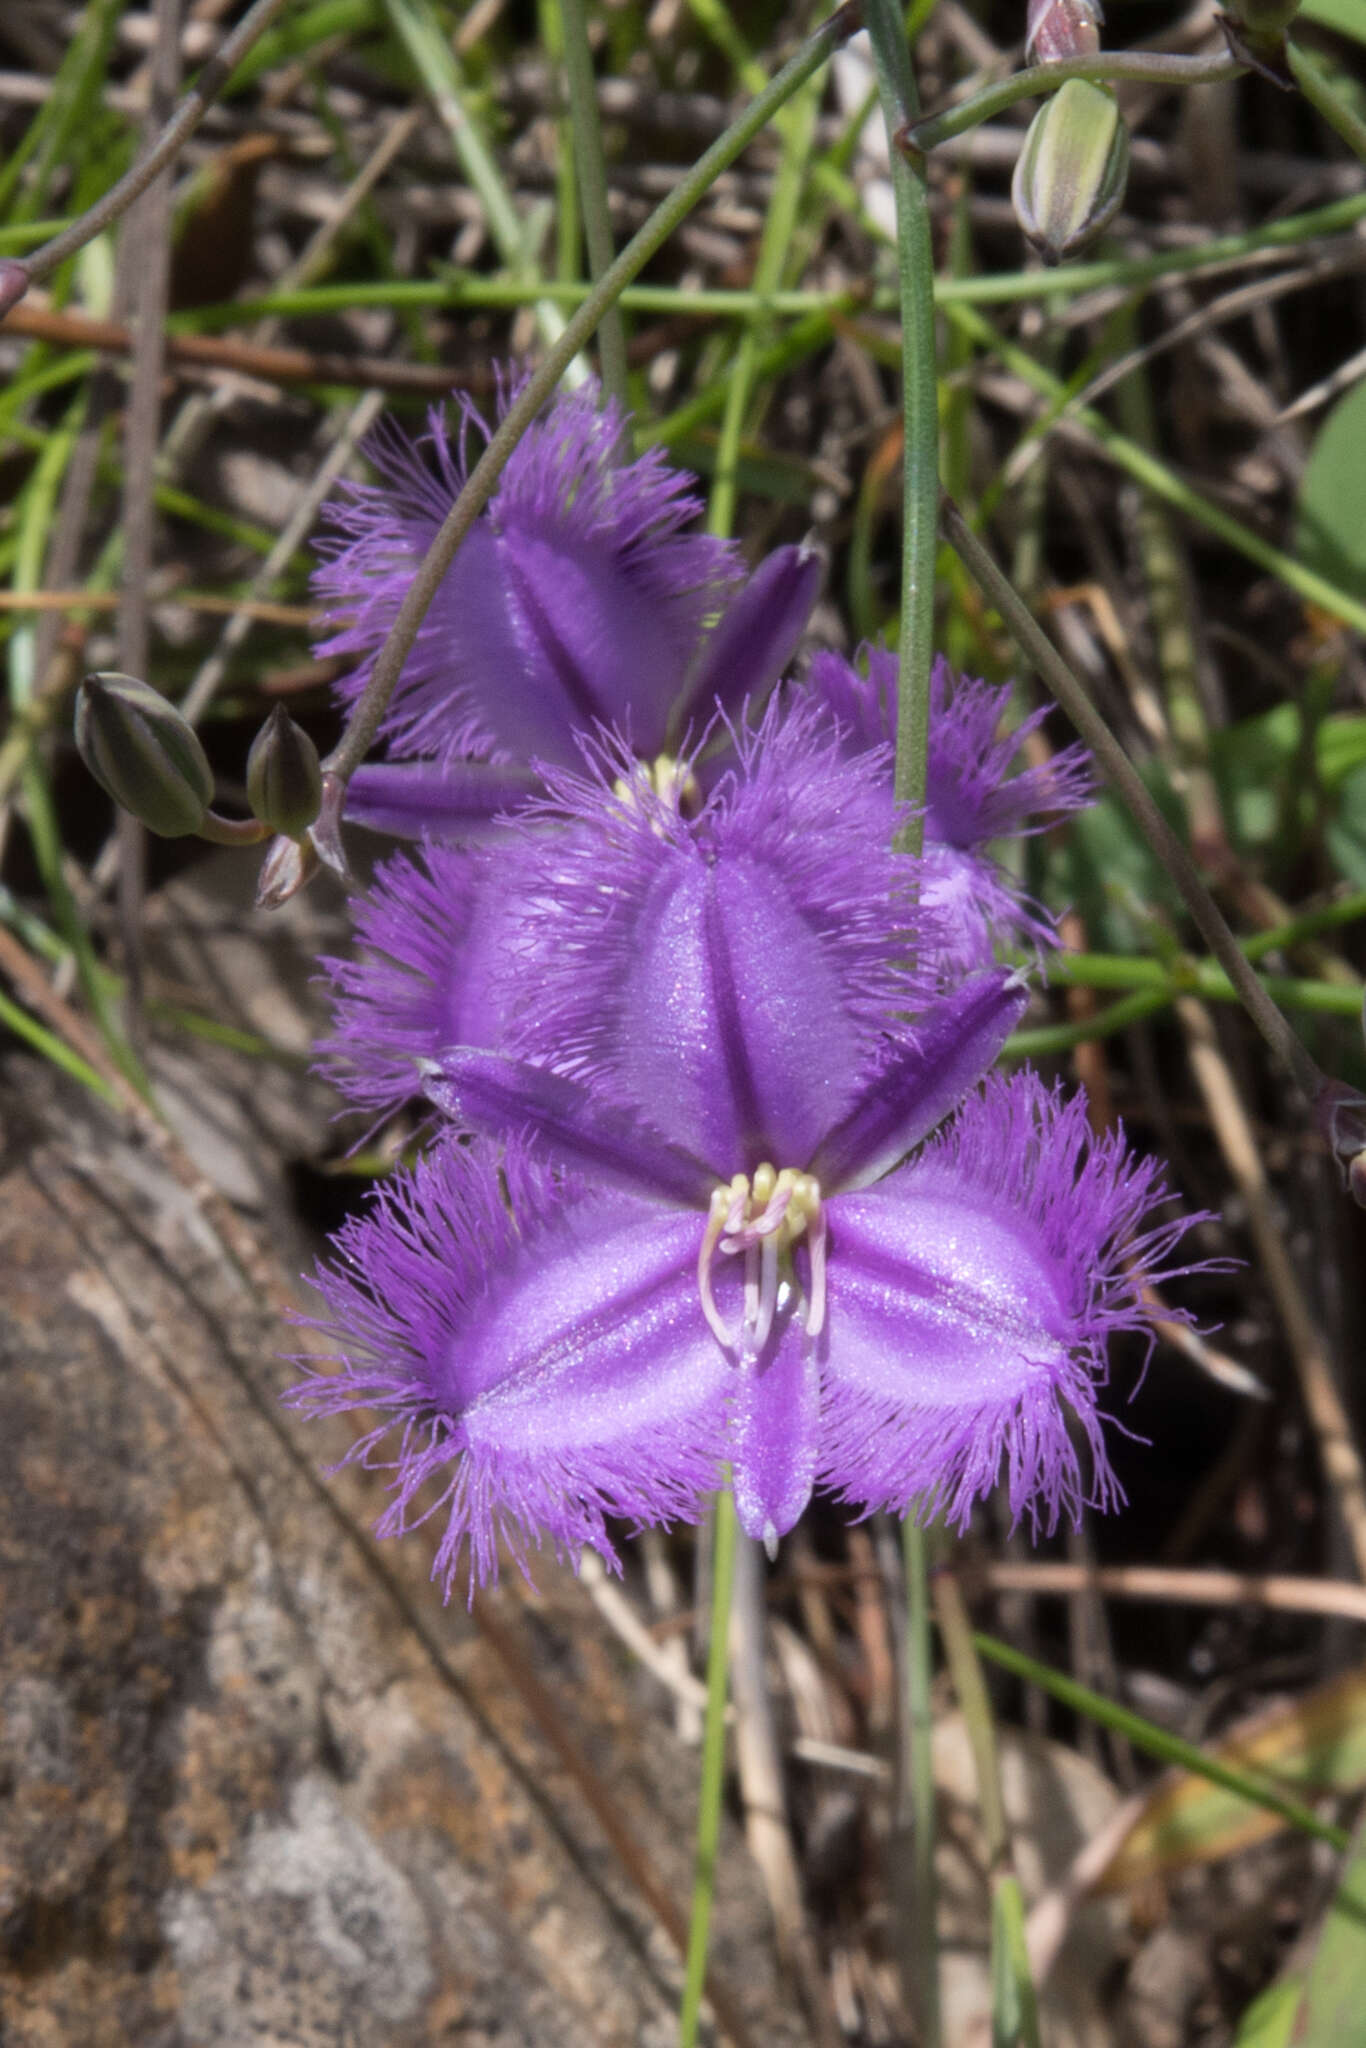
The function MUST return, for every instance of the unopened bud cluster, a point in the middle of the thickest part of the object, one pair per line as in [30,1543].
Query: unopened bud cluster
[148,757]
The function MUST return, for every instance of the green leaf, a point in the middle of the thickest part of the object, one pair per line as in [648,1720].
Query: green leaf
[1348,17]
[1330,532]
[1268,2021]
[1333,2011]
[1014,2010]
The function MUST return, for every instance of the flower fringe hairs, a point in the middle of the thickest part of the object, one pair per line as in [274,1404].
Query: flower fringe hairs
[721,1179]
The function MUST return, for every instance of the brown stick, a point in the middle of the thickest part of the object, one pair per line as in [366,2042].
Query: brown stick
[273,365]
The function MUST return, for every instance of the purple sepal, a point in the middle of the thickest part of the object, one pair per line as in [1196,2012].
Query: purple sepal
[577,1127]
[753,641]
[451,803]
[920,1081]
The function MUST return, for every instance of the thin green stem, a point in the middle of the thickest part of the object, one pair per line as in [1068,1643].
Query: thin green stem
[1041,79]
[1015,2011]
[1120,771]
[164,150]
[775,243]
[356,741]
[457,289]
[713,1770]
[920,456]
[920,1740]
[592,164]
[1313,80]
[1157,1742]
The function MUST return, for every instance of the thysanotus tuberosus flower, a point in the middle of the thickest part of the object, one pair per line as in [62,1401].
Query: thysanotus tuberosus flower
[758,1206]
[974,792]
[578,600]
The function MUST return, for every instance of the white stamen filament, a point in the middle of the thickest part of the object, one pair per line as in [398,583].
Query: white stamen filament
[762,1217]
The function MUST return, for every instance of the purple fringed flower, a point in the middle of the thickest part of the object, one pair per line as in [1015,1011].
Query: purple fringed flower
[971,794]
[607,1338]
[439,940]
[576,601]
[727,1052]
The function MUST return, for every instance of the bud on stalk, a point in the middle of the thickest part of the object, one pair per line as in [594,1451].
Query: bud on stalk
[139,748]
[1070,178]
[284,778]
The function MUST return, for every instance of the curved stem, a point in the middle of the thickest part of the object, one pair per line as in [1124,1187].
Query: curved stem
[356,741]
[168,144]
[713,1769]
[232,831]
[920,459]
[1120,771]
[1041,79]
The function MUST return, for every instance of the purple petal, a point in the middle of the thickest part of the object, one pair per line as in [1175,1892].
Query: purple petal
[775,1417]
[544,1369]
[920,1081]
[576,595]
[752,643]
[728,975]
[970,1299]
[438,948]
[454,802]
[576,1126]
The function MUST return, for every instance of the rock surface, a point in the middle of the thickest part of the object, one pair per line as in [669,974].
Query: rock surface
[258,1789]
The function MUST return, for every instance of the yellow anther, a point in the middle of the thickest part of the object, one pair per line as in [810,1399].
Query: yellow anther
[764,1182]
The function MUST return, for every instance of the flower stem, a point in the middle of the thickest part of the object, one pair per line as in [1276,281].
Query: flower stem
[1120,771]
[592,168]
[167,146]
[920,1734]
[920,460]
[1042,79]
[364,723]
[1314,82]
[713,1769]
[1012,1986]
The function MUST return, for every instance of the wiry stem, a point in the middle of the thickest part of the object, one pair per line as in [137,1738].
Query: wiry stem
[1042,79]
[592,169]
[356,741]
[713,1769]
[1120,771]
[920,456]
[167,146]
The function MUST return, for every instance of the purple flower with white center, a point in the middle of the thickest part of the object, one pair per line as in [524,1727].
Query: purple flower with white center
[549,943]
[724,1054]
[971,794]
[557,1348]
[577,600]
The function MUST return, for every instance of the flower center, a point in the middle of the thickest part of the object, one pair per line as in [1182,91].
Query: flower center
[762,1218]
[669,779]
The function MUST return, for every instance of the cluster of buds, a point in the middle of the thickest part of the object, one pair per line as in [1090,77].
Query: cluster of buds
[149,759]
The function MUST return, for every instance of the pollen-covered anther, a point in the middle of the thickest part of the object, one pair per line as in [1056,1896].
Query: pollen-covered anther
[666,778]
[762,1217]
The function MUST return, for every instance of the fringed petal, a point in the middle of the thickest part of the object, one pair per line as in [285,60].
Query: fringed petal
[728,974]
[576,595]
[538,1353]
[971,1297]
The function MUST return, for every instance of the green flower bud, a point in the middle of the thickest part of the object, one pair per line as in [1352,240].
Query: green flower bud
[1263,19]
[284,778]
[1069,181]
[140,749]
